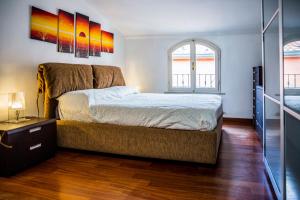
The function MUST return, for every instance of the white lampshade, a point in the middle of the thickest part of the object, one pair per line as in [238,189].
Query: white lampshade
[3,107]
[16,101]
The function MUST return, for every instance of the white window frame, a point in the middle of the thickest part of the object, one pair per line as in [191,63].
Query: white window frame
[193,89]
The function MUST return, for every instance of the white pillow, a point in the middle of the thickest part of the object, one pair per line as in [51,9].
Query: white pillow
[75,103]
[122,90]
[92,96]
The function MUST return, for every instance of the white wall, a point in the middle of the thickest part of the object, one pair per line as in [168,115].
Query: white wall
[147,66]
[20,55]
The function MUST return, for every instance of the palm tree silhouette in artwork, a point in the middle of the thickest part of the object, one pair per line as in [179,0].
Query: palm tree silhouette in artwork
[71,46]
[43,35]
[81,49]
[66,43]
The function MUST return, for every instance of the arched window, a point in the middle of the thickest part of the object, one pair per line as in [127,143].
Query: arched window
[194,66]
[291,65]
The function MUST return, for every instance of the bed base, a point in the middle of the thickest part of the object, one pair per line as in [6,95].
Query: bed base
[182,145]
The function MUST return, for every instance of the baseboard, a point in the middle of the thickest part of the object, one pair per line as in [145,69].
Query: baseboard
[238,120]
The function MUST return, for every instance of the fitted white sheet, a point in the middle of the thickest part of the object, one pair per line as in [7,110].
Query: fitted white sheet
[124,106]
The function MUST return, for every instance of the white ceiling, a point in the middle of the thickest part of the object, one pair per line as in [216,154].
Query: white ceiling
[165,17]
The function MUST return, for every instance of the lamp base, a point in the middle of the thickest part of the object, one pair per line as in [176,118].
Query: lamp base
[15,121]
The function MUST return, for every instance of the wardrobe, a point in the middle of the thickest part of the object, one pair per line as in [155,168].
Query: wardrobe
[281,102]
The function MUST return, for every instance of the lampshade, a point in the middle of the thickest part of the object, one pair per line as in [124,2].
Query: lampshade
[3,107]
[16,101]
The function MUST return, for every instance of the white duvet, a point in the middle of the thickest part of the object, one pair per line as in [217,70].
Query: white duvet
[125,106]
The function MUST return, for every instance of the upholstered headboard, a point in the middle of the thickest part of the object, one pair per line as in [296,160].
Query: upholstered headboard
[55,79]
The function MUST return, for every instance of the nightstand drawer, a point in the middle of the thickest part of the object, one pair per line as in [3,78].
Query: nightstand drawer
[38,134]
[35,135]
[36,152]
[42,142]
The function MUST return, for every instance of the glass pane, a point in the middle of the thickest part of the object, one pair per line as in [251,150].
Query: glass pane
[271,49]
[272,138]
[270,7]
[181,67]
[291,34]
[205,67]
[292,157]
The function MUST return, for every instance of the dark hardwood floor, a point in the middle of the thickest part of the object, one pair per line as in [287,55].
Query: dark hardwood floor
[238,175]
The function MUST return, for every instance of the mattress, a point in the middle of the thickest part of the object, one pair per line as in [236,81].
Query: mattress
[125,106]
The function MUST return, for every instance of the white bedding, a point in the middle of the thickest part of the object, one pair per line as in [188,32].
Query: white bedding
[125,106]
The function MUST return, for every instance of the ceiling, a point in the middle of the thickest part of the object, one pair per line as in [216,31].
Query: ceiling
[165,17]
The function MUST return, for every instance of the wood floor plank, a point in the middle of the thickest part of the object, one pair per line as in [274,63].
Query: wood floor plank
[239,174]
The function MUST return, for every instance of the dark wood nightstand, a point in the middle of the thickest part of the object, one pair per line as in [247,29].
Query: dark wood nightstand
[25,144]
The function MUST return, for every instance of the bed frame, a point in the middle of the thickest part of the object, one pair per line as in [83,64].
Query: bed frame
[54,79]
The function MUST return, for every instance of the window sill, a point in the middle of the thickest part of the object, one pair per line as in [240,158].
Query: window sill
[179,92]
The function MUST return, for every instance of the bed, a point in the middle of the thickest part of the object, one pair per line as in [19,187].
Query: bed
[95,111]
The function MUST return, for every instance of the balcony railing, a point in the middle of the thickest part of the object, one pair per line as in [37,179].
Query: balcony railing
[202,80]
[205,80]
[181,81]
[292,80]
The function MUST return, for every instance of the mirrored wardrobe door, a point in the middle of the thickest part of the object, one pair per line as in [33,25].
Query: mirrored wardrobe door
[273,136]
[291,66]
[292,157]
[291,53]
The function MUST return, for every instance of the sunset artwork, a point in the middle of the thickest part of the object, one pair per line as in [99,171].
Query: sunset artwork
[82,36]
[95,39]
[107,42]
[65,32]
[90,39]
[43,25]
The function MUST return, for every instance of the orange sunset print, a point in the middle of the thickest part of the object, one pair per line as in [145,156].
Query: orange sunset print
[107,42]
[95,39]
[65,32]
[43,25]
[82,36]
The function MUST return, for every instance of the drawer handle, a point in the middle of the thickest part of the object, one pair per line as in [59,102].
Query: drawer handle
[35,146]
[35,129]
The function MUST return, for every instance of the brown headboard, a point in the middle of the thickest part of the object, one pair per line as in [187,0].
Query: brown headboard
[55,79]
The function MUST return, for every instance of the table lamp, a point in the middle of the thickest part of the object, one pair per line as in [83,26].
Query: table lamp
[16,107]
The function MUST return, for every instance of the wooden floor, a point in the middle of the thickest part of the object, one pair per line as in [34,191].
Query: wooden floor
[239,174]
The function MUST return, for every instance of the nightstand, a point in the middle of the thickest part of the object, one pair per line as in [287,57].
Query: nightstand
[25,144]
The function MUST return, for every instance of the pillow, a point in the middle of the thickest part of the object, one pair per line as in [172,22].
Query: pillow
[76,101]
[112,93]
[122,90]
[76,105]
[107,76]
[60,78]
[86,98]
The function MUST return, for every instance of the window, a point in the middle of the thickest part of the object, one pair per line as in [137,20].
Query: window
[291,65]
[194,66]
